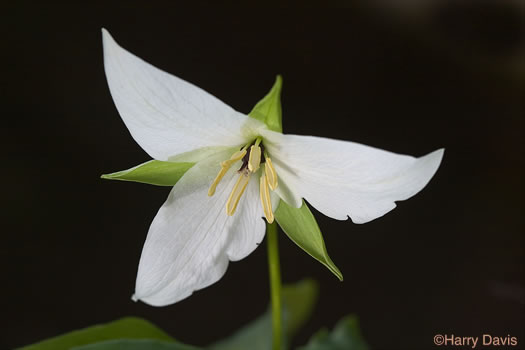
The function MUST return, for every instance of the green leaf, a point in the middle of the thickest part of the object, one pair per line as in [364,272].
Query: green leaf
[154,172]
[345,336]
[129,327]
[300,225]
[268,110]
[136,344]
[298,302]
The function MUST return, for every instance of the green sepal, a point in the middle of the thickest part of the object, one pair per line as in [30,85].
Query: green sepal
[268,110]
[136,344]
[154,172]
[129,327]
[300,226]
[346,335]
[299,300]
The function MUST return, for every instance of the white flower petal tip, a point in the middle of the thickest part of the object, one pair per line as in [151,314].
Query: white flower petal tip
[345,179]
[166,115]
[411,180]
[192,240]
[404,185]
[106,36]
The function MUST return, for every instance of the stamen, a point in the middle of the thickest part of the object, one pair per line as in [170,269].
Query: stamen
[271,175]
[237,192]
[224,169]
[235,157]
[266,202]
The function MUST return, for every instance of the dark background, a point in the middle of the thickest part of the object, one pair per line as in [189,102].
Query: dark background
[403,78]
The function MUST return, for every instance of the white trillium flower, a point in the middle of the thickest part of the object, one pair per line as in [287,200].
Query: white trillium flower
[241,171]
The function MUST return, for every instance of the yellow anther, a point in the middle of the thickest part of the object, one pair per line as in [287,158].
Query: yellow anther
[235,157]
[270,173]
[255,158]
[266,202]
[218,178]
[237,192]
[225,166]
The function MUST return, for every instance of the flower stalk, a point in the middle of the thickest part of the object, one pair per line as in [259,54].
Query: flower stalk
[275,284]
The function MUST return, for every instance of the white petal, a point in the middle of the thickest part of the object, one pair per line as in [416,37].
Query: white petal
[191,239]
[167,115]
[275,200]
[342,179]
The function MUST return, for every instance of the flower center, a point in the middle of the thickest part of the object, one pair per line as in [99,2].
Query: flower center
[252,156]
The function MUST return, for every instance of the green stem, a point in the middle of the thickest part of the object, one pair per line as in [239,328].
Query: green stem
[275,283]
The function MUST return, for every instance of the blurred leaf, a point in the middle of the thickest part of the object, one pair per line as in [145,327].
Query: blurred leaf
[268,110]
[136,344]
[345,336]
[129,327]
[154,172]
[300,226]
[298,302]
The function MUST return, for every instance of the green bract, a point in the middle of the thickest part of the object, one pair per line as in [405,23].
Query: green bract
[268,110]
[300,225]
[153,172]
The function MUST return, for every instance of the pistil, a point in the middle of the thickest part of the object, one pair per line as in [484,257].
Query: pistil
[255,156]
